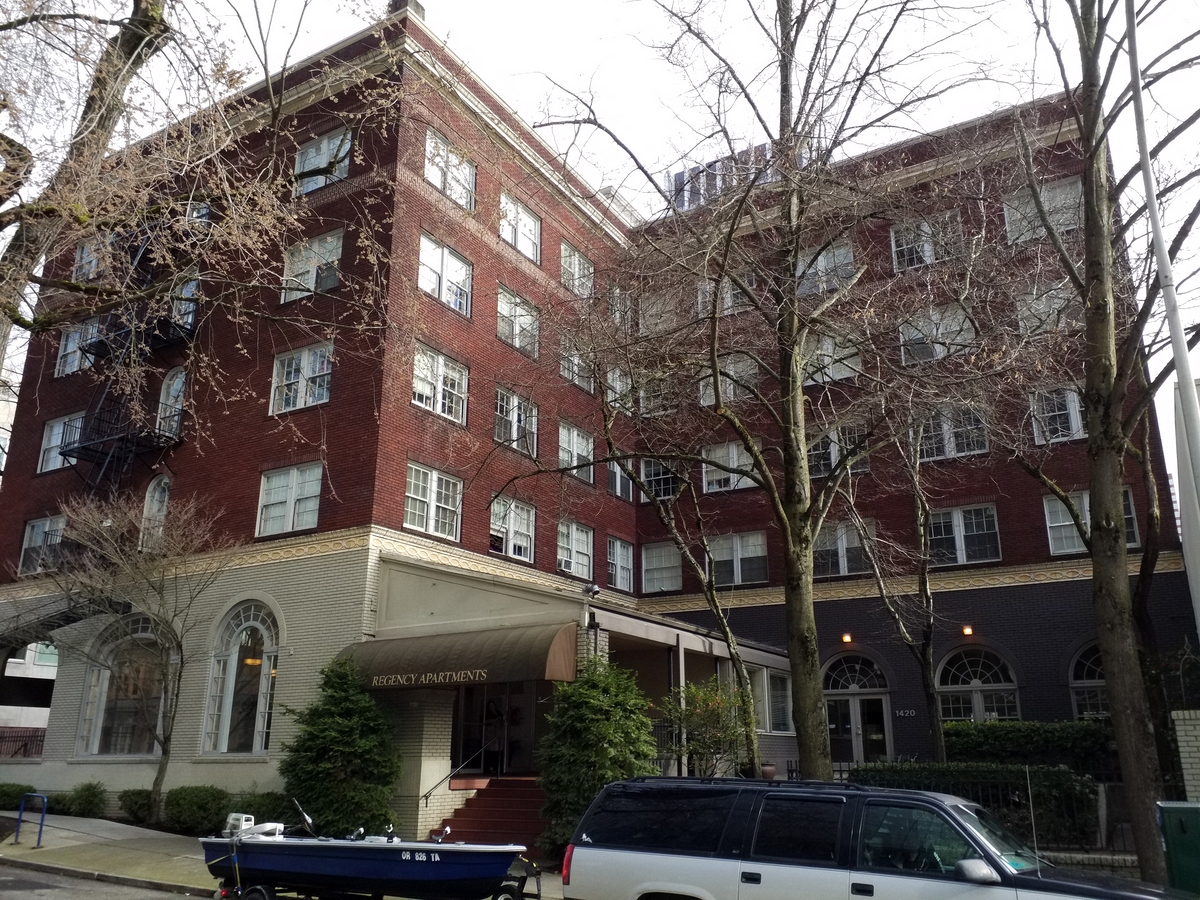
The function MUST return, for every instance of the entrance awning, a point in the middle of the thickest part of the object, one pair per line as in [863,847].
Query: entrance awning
[526,653]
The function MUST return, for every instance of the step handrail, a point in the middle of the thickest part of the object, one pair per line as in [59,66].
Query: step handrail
[455,771]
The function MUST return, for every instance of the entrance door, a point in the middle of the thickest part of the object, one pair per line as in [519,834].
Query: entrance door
[494,728]
[858,729]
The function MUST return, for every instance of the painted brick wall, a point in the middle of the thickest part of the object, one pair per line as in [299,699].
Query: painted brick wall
[1187,733]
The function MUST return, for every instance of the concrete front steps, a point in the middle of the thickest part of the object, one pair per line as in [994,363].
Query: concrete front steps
[503,812]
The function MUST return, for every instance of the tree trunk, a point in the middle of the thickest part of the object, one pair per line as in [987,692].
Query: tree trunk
[160,776]
[933,703]
[808,698]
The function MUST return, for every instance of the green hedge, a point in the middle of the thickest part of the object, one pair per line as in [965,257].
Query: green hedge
[199,809]
[1083,746]
[11,794]
[135,804]
[1064,804]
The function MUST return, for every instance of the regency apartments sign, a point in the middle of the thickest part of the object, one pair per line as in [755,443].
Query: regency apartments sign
[419,679]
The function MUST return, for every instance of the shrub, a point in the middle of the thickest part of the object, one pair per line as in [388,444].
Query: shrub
[343,763]
[135,803]
[266,806]
[199,809]
[88,800]
[598,732]
[1083,746]
[1064,804]
[705,727]
[11,794]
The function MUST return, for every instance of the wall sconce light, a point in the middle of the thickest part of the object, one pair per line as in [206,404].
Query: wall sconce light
[968,630]
[846,638]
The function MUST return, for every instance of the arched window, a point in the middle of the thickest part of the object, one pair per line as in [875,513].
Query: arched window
[1088,695]
[854,673]
[975,683]
[123,695]
[154,514]
[242,687]
[170,405]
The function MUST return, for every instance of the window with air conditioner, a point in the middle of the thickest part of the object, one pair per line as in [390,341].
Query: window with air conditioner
[575,549]
[512,528]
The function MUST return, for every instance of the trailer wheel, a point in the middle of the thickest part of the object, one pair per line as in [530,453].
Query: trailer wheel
[259,892]
[506,892]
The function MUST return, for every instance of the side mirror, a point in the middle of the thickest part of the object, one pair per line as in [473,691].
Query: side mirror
[975,871]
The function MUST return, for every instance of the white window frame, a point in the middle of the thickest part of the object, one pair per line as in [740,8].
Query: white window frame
[512,529]
[618,390]
[435,262]
[448,171]
[941,439]
[923,242]
[578,273]
[574,366]
[662,567]
[440,385]
[1077,424]
[154,513]
[1059,522]
[330,149]
[657,472]
[172,402]
[252,614]
[88,263]
[516,422]
[72,357]
[302,378]
[766,685]
[517,322]
[96,685]
[41,538]
[826,451]
[818,271]
[737,374]
[957,516]
[732,299]
[1047,311]
[736,549]
[575,549]
[832,359]
[620,564]
[936,333]
[1063,201]
[520,227]
[575,449]
[732,454]
[312,266]
[59,433]
[620,485]
[433,502]
[301,498]
[844,538]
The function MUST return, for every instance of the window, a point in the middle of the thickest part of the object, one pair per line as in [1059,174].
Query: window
[916,244]
[578,273]
[88,262]
[289,499]
[512,529]
[772,693]
[1062,200]
[171,402]
[122,700]
[618,390]
[721,458]
[963,535]
[445,275]
[1052,310]
[39,551]
[687,820]
[953,432]
[824,270]
[520,227]
[1058,416]
[1060,527]
[575,549]
[620,309]
[432,502]
[575,451]
[449,172]
[620,564]
[660,479]
[574,366]
[72,346]
[938,332]
[312,266]
[1088,694]
[739,377]
[241,690]
[185,301]
[328,158]
[825,452]
[517,322]
[57,434]
[899,839]
[439,384]
[831,359]
[516,422]
[662,568]
[821,456]
[656,397]
[731,298]
[739,558]
[619,483]
[976,684]
[838,549]
[656,315]
[154,513]
[798,830]
[302,378]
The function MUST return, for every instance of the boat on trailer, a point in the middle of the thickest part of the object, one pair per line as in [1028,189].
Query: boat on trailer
[254,862]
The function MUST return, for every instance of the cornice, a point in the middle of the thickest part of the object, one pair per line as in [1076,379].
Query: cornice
[940,580]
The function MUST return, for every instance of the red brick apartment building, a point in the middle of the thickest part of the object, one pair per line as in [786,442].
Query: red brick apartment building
[424,493]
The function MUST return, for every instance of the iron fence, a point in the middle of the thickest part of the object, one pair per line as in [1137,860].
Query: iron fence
[21,743]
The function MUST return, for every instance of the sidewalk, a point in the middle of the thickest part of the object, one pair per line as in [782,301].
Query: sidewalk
[97,849]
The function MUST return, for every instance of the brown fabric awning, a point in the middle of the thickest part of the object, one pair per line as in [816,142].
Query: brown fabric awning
[525,653]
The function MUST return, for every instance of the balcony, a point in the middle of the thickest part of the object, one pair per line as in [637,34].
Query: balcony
[114,429]
[111,336]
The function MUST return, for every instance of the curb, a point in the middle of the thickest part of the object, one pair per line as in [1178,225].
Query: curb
[126,880]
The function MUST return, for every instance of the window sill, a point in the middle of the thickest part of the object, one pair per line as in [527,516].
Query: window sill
[220,758]
[299,532]
[275,414]
[112,760]
[437,415]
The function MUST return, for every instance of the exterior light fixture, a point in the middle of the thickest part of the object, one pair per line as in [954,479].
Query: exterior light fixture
[846,638]
[968,630]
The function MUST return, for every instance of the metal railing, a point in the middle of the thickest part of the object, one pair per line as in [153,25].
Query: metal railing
[21,743]
[429,793]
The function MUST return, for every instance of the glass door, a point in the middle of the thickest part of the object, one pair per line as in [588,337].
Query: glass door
[858,729]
